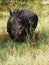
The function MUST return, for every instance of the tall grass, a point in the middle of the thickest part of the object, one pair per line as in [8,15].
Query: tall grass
[26,53]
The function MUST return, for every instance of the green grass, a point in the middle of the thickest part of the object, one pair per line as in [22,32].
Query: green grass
[26,53]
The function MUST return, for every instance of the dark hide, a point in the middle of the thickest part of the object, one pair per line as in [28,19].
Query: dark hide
[20,23]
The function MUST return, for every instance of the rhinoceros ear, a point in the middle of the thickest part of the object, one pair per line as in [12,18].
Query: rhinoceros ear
[21,13]
[10,13]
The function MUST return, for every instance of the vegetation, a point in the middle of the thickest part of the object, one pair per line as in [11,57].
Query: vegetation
[26,53]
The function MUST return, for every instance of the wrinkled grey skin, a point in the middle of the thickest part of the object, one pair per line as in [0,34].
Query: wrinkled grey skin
[19,22]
